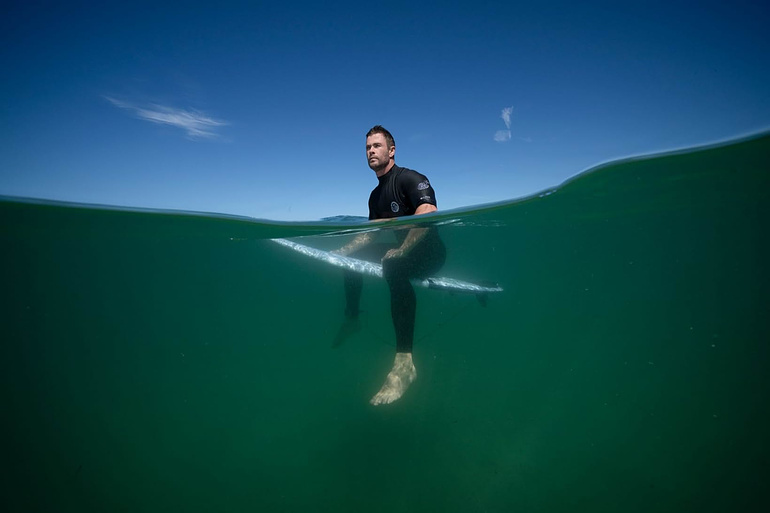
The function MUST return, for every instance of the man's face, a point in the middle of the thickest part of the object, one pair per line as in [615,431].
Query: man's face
[377,152]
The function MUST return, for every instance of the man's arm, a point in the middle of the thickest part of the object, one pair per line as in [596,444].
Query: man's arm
[414,236]
[425,208]
[360,240]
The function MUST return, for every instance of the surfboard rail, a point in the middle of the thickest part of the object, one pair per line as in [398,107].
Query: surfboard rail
[375,269]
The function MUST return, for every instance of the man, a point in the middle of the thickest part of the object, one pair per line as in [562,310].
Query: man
[419,253]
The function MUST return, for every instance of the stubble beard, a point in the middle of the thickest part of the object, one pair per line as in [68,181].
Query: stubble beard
[377,167]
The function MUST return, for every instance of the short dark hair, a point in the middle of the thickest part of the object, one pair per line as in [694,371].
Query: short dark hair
[379,129]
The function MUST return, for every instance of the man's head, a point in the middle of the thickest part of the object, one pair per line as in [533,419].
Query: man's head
[380,150]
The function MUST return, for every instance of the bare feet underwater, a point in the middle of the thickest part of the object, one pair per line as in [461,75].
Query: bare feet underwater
[397,381]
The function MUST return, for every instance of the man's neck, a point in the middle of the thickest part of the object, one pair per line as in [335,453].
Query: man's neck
[386,169]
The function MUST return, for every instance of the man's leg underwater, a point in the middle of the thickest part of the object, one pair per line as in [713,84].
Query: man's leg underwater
[403,308]
[354,283]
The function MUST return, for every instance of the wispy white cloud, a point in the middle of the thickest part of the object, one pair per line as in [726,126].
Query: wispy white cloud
[505,135]
[506,115]
[196,124]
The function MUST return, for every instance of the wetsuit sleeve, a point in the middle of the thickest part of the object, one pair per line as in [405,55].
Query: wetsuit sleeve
[417,189]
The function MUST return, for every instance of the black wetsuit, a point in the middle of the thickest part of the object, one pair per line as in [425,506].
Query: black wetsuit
[399,193]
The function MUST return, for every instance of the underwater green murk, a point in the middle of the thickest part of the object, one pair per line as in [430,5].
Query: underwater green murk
[174,361]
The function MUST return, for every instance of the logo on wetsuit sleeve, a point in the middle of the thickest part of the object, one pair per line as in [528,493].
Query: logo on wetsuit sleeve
[423,185]
[394,206]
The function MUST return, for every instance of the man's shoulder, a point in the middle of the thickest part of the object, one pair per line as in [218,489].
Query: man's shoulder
[409,176]
[405,171]
[409,179]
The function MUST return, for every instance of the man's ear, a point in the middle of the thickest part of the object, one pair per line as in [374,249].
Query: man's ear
[392,151]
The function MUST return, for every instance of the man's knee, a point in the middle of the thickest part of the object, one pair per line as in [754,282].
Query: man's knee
[394,269]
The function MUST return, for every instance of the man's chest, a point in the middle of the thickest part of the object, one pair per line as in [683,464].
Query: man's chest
[387,202]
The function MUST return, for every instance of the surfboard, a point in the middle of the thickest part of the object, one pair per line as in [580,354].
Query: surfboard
[375,269]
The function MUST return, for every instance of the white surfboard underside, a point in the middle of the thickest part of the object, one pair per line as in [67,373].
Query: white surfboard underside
[375,269]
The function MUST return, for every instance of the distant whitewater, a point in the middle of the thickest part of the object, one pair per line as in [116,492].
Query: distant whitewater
[345,219]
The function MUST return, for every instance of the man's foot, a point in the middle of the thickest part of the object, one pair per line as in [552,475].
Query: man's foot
[398,380]
[350,327]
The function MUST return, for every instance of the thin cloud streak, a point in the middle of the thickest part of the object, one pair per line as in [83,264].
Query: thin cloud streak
[196,124]
[506,115]
[505,135]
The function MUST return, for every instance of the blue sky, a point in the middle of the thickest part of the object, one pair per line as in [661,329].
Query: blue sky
[260,109]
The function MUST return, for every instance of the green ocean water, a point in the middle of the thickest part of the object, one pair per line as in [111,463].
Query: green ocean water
[168,361]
